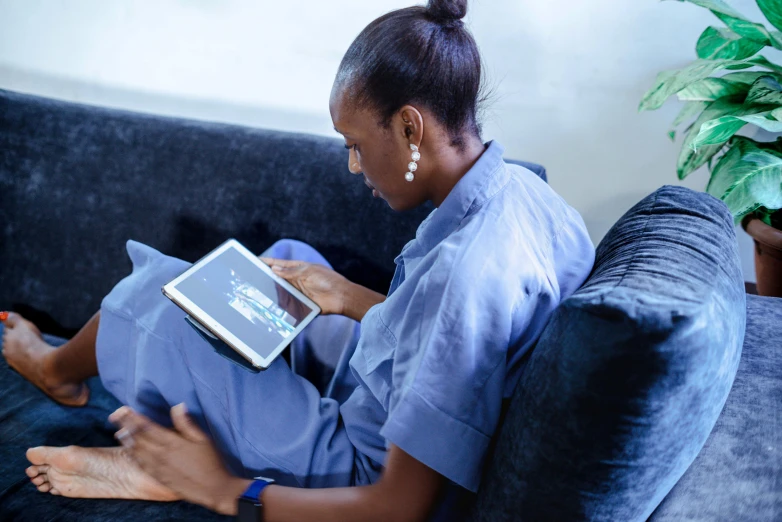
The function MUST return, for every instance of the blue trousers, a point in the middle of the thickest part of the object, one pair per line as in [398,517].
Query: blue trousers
[275,423]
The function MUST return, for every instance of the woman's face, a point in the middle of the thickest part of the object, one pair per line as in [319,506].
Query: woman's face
[381,154]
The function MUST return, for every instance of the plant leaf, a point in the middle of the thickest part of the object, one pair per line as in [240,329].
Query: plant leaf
[716,6]
[738,23]
[776,39]
[671,82]
[777,114]
[745,28]
[763,121]
[747,178]
[766,89]
[772,10]
[691,158]
[689,110]
[715,44]
[762,61]
[771,218]
[719,130]
[748,77]
[709,89]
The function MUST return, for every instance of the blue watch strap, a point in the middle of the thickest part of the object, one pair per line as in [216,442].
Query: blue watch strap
[253,491]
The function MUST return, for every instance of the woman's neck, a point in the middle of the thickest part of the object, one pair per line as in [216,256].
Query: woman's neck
[452,166]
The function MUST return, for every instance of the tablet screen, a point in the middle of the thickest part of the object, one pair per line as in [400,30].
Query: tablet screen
[245,300]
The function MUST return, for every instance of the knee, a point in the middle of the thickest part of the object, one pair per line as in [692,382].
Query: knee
[295,250]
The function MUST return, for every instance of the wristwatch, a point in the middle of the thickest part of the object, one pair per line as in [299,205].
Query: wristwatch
[249,507]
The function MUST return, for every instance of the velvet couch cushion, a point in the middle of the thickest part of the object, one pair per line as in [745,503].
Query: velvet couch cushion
[630,374]
[738,473]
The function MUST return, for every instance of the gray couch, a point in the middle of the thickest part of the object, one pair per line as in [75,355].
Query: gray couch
[76,182]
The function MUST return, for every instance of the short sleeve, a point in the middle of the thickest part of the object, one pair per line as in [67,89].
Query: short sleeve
[449,367]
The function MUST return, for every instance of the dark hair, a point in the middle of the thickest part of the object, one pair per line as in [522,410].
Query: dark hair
[417,55]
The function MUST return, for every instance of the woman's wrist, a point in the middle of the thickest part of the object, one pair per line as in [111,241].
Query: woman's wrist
[225,501]
[358,299]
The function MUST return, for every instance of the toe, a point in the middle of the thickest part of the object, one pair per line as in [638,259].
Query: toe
[34,471]
[38,455]
[39,480]
[45,487]
[55,491]
[12,319]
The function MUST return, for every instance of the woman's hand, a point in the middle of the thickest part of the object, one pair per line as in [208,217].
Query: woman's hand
[182,459]
[321,284]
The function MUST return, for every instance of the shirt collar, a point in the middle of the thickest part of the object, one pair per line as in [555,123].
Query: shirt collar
[484,179]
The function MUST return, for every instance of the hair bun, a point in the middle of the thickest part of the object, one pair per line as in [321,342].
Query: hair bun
[446,12]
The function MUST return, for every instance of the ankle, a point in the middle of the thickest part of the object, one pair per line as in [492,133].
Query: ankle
[50,375]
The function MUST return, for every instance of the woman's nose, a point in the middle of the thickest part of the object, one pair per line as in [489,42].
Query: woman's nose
[353,165]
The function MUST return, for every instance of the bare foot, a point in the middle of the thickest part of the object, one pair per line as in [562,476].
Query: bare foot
[78,472]
[26,352]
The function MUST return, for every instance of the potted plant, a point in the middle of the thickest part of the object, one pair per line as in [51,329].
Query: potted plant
[745,173]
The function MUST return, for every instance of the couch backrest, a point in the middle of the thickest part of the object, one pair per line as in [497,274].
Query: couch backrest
[77,181]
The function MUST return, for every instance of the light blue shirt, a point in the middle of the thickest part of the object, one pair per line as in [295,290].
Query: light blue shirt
[470,295]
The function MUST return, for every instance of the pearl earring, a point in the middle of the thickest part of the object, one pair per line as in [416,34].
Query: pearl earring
[412,166]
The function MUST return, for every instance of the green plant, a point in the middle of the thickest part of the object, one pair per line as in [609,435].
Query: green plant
[745,174]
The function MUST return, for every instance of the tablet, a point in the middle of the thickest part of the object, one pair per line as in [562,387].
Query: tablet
[240,300]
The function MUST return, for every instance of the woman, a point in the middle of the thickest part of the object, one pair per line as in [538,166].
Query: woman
[419,385]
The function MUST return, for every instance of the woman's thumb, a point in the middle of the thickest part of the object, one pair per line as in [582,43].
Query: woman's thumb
[185,425]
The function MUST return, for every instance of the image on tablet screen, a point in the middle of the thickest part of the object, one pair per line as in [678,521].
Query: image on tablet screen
[259,308]
[245,300]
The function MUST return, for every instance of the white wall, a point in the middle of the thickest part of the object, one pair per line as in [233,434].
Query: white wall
[568,75]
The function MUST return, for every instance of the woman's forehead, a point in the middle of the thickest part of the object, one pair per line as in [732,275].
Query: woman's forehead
[347,119]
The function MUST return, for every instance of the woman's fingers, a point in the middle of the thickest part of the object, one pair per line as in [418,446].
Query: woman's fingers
[290,270]
[185,425]
[284,264]
[287,268]
[135,427]
[125,438]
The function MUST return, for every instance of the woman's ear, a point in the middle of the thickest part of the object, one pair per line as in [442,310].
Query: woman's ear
[412,124]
